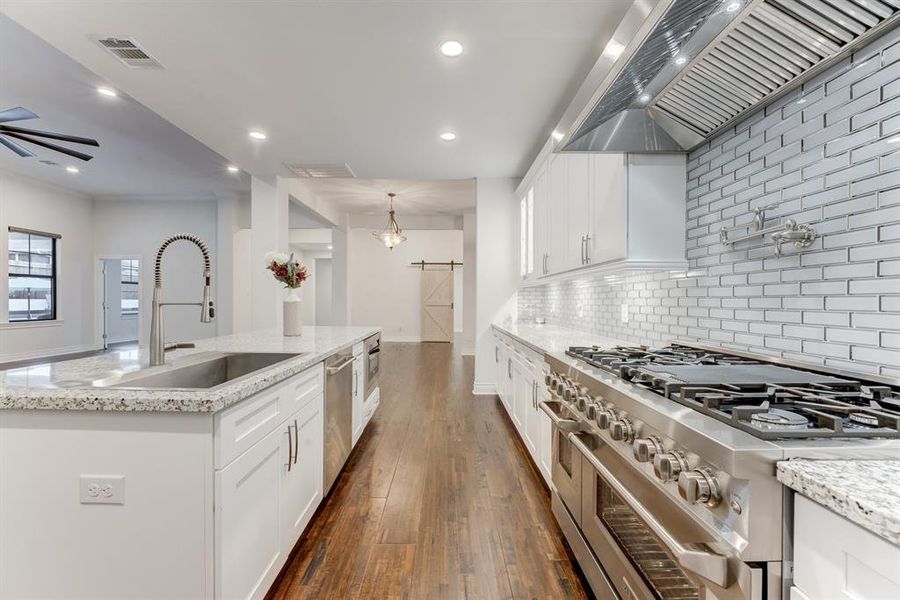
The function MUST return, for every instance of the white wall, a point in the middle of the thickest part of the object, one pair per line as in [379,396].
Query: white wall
[119,327]
[470,257]
[384,289]
[324,287]
[341,277]
[136,228]
[496,236]
[269,231]
[32,205]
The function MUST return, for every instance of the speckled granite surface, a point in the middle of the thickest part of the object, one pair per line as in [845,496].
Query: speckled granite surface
[550,338]
[66,385]
[865,491]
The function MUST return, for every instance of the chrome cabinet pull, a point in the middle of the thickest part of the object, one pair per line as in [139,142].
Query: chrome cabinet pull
[582,249]
[706,564]
[290,450]
[587,249]
[296,441]
[496,354]
[509,368]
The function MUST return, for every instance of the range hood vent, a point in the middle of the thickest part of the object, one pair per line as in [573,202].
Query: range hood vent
[705,63]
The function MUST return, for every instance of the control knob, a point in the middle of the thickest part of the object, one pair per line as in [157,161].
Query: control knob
[668,465]
[582,403]
[591,410]
[569,393]
[605,416]
[549,378]
[699,486]
[646,448]
[622,430]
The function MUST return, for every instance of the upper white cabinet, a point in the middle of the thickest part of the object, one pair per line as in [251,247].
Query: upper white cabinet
[605,211]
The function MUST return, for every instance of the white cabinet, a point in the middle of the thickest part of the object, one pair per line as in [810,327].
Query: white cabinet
[302,482]
[607,211]
[249,550]
[836,559]
[520,385]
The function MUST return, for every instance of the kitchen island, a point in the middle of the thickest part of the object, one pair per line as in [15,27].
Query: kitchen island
[135,491]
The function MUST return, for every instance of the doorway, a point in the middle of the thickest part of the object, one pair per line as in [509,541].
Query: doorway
[324,284]
[120,302]
[437,306]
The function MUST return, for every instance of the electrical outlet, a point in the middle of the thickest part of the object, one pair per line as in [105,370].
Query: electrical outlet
[102,489]
[624,313]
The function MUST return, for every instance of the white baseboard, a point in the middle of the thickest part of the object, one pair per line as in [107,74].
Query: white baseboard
[484,389]
[46,353]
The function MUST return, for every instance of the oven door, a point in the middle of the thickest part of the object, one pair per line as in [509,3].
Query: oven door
[565,468]
[649,547]
[373,356]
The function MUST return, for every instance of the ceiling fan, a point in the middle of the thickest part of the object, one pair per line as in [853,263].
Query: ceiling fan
[28,135]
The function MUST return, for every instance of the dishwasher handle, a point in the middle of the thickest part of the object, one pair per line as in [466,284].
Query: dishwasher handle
[337,368]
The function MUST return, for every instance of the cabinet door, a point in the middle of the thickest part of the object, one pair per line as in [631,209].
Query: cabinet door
[545,447]
[609,197]
[519,397]
[302,484]
[248,549]
[358,398]
[541,223]
[533,423]
[578,209]
[557,201]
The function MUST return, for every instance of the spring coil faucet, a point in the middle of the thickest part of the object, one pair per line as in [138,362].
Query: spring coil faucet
[207,311]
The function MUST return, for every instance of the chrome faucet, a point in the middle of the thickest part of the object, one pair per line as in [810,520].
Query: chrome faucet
[207,312]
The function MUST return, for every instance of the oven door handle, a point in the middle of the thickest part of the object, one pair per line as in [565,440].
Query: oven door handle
[566,425]
[708,565]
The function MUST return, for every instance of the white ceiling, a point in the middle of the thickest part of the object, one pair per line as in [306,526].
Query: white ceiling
[360,82]
[414,197]
[141,155]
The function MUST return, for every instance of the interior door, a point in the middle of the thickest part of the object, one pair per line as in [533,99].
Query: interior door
[437,306]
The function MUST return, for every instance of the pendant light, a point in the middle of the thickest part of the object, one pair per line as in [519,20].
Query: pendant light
[392,234]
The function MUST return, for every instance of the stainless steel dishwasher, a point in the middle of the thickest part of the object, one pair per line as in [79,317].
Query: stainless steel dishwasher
[338,413]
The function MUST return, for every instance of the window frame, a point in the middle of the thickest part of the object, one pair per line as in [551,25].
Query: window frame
[53,277]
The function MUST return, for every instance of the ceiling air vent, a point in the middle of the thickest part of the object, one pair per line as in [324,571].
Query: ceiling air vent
[322,171]
[129,52]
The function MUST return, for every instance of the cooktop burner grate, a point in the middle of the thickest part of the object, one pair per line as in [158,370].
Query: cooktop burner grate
[766,400]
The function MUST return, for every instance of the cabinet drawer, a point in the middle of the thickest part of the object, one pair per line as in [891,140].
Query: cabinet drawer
[240,426]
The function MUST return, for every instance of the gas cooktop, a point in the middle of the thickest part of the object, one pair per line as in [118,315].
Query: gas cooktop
[761,398]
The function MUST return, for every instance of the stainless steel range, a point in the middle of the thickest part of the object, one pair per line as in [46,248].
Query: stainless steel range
[664,462]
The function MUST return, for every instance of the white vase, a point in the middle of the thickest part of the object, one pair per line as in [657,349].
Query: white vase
[293,315]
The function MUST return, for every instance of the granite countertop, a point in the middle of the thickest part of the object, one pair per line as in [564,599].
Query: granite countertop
[553,339]
[866,492]
[66,385]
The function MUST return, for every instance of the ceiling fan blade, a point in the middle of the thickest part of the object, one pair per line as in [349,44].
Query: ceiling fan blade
[53,136]
[20,150]
[16,114]
[54,147]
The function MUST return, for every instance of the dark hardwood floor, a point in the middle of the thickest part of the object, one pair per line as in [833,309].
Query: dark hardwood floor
[438,500]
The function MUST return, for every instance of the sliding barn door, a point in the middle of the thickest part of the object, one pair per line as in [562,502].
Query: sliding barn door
[437,306]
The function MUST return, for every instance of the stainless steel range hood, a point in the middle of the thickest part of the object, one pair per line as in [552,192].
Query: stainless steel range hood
[682,70]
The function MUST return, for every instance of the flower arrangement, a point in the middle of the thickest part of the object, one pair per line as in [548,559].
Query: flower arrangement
[292,273]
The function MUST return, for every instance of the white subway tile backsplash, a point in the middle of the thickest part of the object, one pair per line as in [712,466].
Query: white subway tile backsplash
[830,162]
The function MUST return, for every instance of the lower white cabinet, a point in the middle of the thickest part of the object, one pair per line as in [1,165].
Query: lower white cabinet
[302,484]
[520,386]
[359,393]
[836,559]
[264,500]
[249,548]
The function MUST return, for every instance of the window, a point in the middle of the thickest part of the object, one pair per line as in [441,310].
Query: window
[32,275]
[131,272]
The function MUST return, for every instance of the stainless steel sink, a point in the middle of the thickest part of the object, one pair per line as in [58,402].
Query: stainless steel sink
[202,371]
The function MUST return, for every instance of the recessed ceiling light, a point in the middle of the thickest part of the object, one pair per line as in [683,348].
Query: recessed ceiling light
[451,48]
[233,169]
[680,60]
[732,6]
[107,91]
[645,98]
[556,135]
[448,136]
[72,169]
[329,247]
[257,135]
